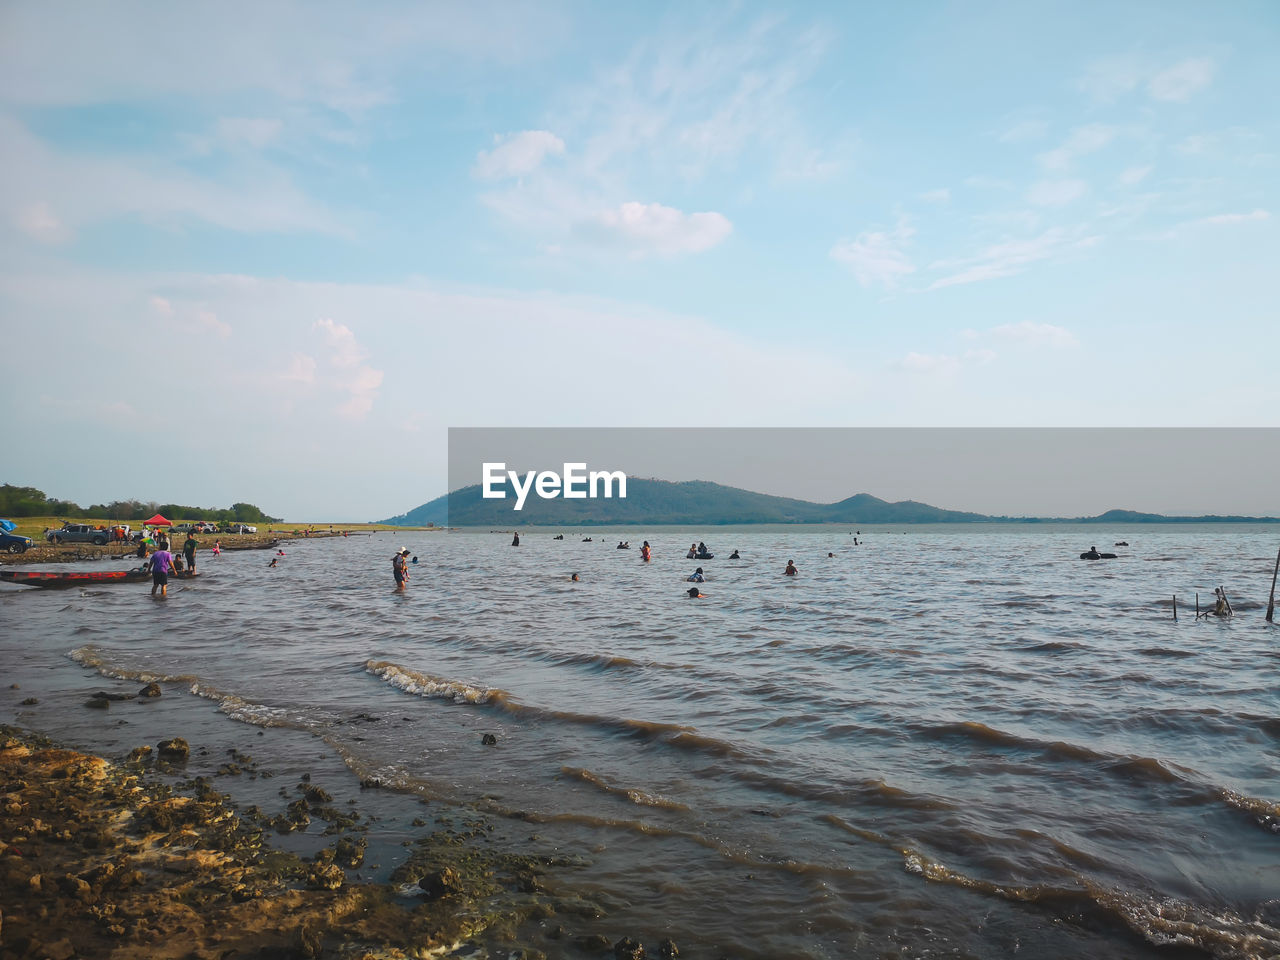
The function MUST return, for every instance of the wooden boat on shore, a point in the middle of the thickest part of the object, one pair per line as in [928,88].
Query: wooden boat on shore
[58,580]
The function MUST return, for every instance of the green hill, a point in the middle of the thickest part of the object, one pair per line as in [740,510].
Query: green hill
[652,502]
[665,502]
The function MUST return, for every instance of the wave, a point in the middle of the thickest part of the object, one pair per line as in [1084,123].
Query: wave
[1163,921]
[1151,768]
[1265,813]
[93,657]
[426,685]
[1055,646]
[257,714]
[639,797]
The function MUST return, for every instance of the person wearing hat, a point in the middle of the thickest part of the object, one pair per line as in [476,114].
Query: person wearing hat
[400,569]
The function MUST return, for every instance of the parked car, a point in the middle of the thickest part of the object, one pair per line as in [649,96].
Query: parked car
[206,526]
[184,528]
[15,543]
[241,528]
[79,533]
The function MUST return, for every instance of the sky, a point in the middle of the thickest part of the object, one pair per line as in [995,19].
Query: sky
[272,252]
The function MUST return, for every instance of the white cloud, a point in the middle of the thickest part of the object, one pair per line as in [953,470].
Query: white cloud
[1134,175]
[1182,80]
[330,54]
[38,221]
[188,319]
[94,188]
[877,257]
[1036,334]
[1024,130]
[1252,216]
[344,350]
[651,228]
[301,369]
[945,366]
[348,373]
[208,320]
[1083,140]
[941,195]
[255,132]
[517,154]
[931,363]
[1108,80]
[1056,193]
[1009,258]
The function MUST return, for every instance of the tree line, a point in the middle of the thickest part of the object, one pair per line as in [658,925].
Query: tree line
[30,502]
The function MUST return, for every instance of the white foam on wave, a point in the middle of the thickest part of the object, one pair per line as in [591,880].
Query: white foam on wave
[426,685]
[1164,921]
[93,657]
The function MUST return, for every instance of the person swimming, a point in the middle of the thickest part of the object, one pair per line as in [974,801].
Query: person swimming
[696,576]
[575,578]
[791,570]
[830,554]
[693,552]
[734,556]
[274,561]
[694,594]
[645,553]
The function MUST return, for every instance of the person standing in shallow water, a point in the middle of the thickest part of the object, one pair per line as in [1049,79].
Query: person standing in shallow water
[189,551]
[791,570]
[400,569]
[161,567]
[515,541]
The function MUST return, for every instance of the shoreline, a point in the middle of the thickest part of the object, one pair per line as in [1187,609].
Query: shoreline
[45,552]
[104,859]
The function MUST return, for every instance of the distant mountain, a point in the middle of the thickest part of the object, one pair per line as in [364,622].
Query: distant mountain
[653,502]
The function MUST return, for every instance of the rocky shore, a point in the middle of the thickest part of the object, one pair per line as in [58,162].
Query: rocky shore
[108,860]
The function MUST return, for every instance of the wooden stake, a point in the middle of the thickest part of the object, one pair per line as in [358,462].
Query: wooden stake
[1175,606]
[1230,612]
[1197,604]
[1271,604]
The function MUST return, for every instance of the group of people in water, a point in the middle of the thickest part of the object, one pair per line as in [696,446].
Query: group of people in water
[159,561]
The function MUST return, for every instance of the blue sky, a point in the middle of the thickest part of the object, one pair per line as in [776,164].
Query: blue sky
[286,246]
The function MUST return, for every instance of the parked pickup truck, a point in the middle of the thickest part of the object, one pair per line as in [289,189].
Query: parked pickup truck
[81,533]
[14,542]
[239,528]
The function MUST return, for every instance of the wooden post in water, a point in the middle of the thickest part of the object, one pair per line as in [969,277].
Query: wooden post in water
[1271,604]
[1175,606]
[1230,612]
[1197,604]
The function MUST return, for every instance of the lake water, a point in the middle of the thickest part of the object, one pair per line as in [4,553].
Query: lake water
[946,741]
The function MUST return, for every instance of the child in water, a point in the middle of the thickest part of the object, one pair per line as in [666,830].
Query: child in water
[791,570]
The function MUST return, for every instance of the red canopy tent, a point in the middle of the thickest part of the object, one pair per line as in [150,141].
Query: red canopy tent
[157,521]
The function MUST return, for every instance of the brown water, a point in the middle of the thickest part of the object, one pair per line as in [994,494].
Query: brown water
[953,741]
